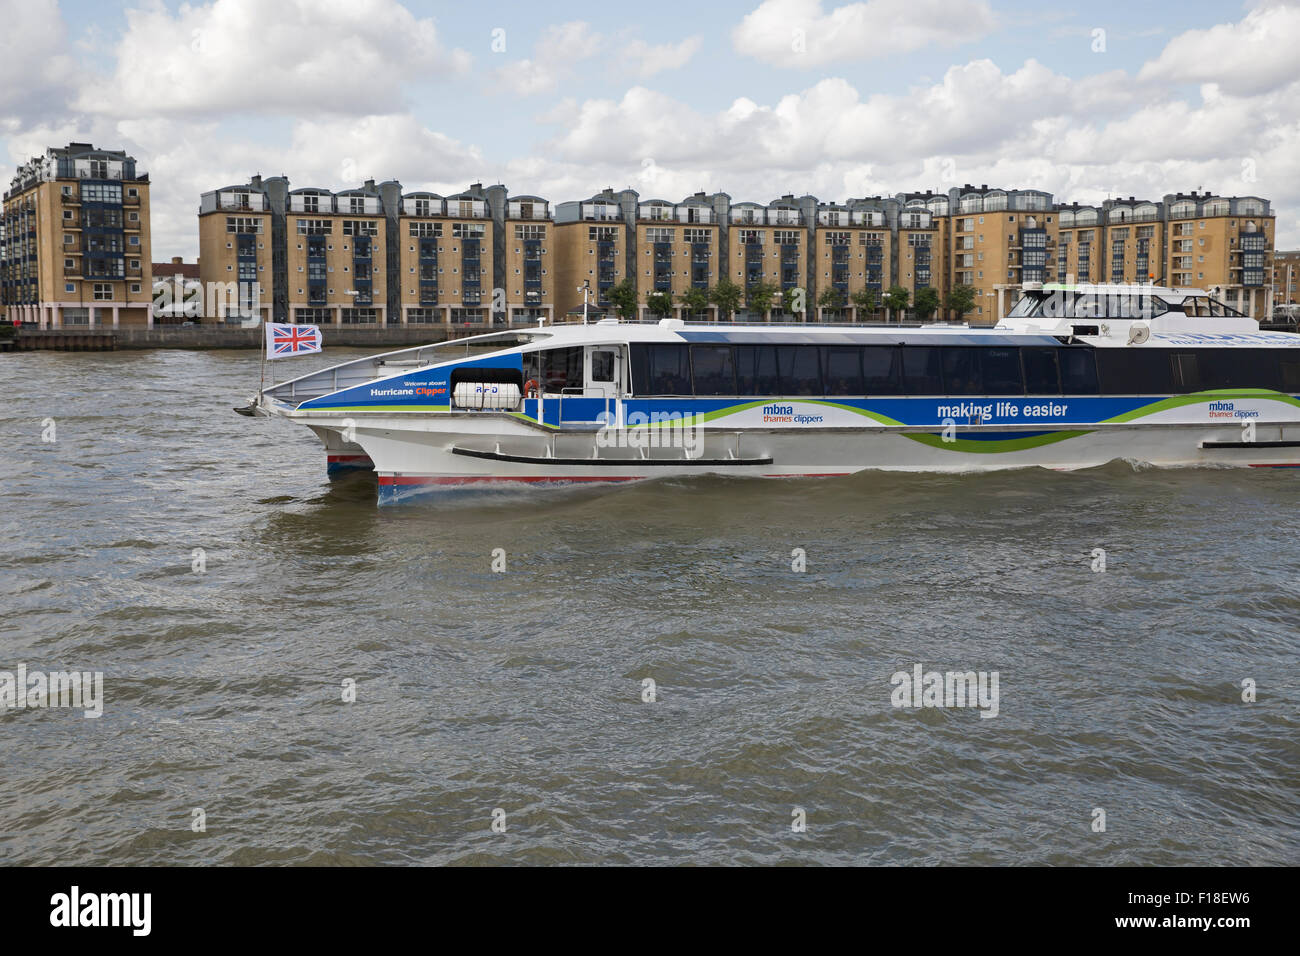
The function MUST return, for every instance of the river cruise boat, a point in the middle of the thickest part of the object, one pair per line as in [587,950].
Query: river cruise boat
[1072,377]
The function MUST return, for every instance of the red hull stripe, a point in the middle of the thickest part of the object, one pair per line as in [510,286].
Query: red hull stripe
[1275,466]
[480,479]
[342,458]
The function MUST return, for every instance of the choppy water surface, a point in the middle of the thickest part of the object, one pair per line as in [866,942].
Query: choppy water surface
[1119,690]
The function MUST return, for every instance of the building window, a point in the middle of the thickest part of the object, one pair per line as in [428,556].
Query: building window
[103,291]
[69,287]
[135,287]
[246,224]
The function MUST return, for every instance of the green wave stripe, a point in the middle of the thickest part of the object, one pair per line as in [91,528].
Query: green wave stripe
[995,445]
[1178,401]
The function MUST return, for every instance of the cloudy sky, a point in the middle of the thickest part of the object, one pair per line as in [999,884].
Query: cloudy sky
[754,98]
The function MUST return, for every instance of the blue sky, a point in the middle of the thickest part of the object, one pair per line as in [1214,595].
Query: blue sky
[755,98]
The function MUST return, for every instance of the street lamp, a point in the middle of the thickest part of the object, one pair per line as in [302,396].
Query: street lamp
[585,289]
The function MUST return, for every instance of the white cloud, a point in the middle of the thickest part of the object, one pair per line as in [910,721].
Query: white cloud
[648,60]
[1254,55]
[559,48]
[1083,140]
[554,53]
[329,56]
[34,65]
[800,33]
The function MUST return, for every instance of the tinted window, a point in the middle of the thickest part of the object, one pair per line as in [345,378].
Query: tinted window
[669,370]
[1134,371]
[756,370]
[1187,372]
[961,371]
[1078,371]
[639,358]
[1041,375]
[1228,368]
[921,371]
[798,366]
[715,374]
[602,366]
[1001,368]
[562,368]
[881,365]
[843,365]
[1289,362]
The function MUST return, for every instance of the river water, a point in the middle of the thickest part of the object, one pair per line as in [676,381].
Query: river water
[232,597]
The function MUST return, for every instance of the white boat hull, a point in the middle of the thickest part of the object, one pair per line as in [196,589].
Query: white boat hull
[410,455]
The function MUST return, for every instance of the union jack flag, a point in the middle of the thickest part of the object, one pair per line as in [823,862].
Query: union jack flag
[285,341]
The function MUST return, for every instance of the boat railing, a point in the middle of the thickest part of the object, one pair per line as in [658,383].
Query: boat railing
[367,369]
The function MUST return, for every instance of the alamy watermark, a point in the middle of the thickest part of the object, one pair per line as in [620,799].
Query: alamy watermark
[922,688]
[22,689]
[655,430]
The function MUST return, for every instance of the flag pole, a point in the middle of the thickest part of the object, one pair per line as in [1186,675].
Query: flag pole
[265,347]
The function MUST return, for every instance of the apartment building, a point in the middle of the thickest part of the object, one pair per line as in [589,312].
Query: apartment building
[336,256]
[770,246]
[1224,245]
[528,278]
[677,248]
[1286,278]
[852,248]
[236,233]
[75,245]
[997,240]
[595,248]
[377,256]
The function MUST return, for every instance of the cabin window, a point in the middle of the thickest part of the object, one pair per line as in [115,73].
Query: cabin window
[714,368]
[1041,374]
[1289,370]
[1133,371]
[756,370]
[799,369]
[1207,369]
[602,366]
[1187,372]
[881,365]
[922,373]
[670,370]
[1078,371]
[843,366]
[561,368]
[961,371]
[1001,368]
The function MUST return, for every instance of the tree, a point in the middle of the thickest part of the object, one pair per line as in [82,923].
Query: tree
[726,295]
[866,300]
[760,296]
[660,303]
[623,298]
[961,299]
[927,302]
[896,299]
[832,299]
[694,299]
